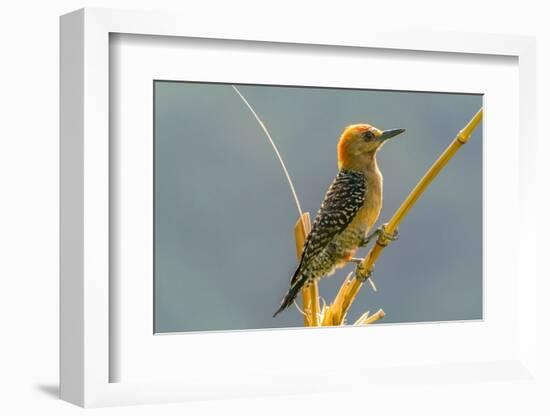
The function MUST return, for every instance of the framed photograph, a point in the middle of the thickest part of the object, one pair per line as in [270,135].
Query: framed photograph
[225,197]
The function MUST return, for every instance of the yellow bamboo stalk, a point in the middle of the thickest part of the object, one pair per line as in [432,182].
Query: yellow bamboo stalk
[349,290]
[375,317]
[310,295]
[328,316]
[362,318]
[365,319]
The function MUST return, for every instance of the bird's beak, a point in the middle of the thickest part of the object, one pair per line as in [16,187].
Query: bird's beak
[388,134]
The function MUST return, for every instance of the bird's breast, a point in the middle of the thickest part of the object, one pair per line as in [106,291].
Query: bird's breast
[368,214]
[347,243]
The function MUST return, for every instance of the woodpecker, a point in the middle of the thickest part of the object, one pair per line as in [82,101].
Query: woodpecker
[350,208]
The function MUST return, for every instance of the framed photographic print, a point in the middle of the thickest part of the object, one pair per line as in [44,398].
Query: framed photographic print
[225,198]
[238,192]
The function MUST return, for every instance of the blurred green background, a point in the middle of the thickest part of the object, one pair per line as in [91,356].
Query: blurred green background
[224,214]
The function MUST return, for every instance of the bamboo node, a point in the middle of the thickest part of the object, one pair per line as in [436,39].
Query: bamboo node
[463,137]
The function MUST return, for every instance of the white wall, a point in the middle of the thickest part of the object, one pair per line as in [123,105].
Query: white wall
[29,197]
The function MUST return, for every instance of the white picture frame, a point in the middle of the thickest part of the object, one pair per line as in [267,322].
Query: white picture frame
[87,329]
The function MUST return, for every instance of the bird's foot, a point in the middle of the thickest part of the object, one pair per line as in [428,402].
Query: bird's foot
[363,275]
[384,238]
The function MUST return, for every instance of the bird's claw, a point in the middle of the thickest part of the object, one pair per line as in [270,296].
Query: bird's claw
[384,238]
[363,275]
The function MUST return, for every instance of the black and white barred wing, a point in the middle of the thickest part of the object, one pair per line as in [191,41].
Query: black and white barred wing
[343,200]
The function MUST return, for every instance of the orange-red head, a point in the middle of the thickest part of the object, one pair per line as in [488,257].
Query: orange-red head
[359,143]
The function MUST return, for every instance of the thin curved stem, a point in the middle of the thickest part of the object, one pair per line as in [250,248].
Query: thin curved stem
[264,128]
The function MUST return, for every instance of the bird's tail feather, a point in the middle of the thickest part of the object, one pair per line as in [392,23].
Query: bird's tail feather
[291,295]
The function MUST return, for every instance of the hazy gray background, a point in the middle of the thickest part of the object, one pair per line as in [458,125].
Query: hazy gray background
[224,215]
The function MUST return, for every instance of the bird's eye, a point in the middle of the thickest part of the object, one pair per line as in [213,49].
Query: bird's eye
[369,135]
